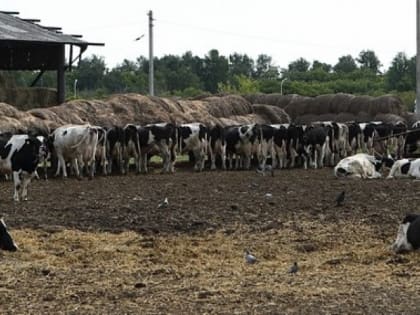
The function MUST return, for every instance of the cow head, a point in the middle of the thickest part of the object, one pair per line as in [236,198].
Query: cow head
[6,241]
[383,162]
[402,243]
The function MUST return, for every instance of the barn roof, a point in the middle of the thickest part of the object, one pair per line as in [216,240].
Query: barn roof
[13,28]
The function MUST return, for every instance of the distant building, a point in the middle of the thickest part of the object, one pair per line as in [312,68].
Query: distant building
[26,45]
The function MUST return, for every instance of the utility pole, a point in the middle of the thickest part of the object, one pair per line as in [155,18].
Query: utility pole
[417,109]
[151,70]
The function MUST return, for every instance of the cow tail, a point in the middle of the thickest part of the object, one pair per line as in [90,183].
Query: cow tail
[84,138]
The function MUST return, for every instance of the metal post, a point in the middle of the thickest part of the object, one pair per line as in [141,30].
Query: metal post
[61,84]
[151,70]
[281,84]
[75,88]
[417,109]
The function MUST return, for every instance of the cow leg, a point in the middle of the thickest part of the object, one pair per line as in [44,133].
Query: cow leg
[75,167]
[223,156]
[17,184]
[25,182]
[212,158]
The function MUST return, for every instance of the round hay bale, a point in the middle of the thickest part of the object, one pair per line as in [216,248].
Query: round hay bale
[271,114]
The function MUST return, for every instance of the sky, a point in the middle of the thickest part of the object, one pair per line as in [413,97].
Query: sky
[286,30]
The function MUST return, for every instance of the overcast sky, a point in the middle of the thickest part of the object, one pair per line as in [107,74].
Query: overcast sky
[286,30]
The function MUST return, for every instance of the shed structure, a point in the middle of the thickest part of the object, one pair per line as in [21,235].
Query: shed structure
[26,45]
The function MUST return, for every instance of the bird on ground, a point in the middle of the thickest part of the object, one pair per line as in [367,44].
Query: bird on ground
[294,268]
[249,258]
[163,204]
[267,168]
[340,199]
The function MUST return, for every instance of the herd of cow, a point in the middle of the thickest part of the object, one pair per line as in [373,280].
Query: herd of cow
[353,148]
[87,148]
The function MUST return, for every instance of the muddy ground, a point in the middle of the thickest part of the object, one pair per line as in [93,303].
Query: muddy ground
[103,247]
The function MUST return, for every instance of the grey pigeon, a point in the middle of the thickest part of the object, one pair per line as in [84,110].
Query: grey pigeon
[163,204]
[294,268]
[249,258]
[266,168]
[340,199]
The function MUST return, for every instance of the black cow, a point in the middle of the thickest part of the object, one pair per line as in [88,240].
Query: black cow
[217,146]
[131,147]
[355,134]
[115,138]
[279,154]
[159,139]
[6,241]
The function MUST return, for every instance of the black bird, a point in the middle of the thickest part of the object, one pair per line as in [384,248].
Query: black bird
[294,268]
[340,199]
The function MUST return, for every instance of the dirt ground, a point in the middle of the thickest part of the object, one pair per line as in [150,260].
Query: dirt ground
[103,247]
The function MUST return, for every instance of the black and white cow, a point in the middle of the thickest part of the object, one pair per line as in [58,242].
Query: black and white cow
[6,241]
[158,139]
[408,237]
[76,144]
[361,165]
[217,146]
[405,168]
[264,147]
[115,140]
[315,142]
[240,142]
[20,155]
[193,138]
[368,133]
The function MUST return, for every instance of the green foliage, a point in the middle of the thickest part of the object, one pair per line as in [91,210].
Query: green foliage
[240,84]
[346,64]
[189,76]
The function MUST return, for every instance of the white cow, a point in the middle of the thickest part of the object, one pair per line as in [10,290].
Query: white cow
[360,165]
[76,144]
[405,168]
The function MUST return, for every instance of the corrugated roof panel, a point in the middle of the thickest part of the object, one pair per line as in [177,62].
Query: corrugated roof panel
[14,28]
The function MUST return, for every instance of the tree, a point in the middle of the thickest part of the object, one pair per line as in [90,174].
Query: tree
[398,76]
[299,65]
[317,65]
[215,70]
[345,64]
[90,73]
[240,65]
[369,61]
[265,68]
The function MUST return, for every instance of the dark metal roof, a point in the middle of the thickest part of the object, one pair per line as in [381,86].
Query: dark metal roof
[13,28]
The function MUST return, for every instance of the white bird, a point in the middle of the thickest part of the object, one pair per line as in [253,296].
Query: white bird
[164,203]
[249,258]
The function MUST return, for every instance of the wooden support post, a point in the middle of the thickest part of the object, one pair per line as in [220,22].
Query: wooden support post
[61,85]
